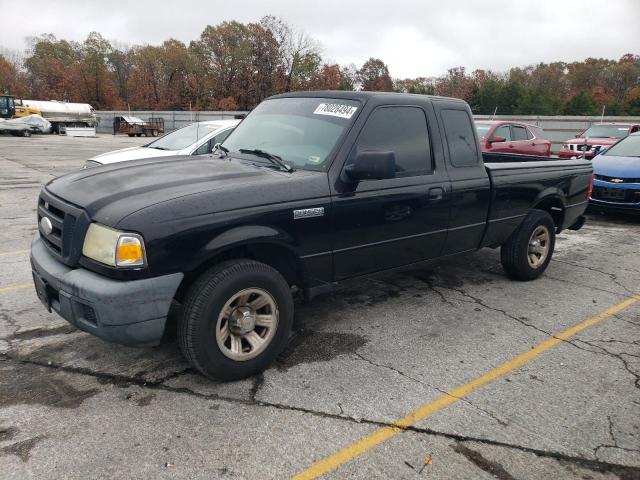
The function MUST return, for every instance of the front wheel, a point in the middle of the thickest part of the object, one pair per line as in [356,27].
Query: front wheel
[237,318]
[527,253]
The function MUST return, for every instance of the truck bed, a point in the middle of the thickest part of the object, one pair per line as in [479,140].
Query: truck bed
[519,181]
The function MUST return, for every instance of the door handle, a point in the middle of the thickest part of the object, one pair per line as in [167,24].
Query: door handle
[511,145]
[435,194]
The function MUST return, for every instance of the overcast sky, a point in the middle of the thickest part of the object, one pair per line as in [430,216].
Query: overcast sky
[414,37]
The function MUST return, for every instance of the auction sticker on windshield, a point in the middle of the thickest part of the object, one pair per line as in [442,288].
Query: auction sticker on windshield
[335,110]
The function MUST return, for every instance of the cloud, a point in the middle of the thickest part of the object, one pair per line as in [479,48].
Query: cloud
[414,37]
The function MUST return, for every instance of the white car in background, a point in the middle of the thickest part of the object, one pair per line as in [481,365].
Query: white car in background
[195,139]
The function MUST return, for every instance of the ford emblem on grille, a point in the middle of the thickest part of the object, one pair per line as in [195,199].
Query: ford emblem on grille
[46,226]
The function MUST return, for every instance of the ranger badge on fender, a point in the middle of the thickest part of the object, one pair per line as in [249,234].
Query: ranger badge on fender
[308,213]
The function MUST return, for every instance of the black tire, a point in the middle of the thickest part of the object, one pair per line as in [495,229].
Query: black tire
[514,253]
[138,134]
[26,133]
[131,134]
[204,302]
[154,133]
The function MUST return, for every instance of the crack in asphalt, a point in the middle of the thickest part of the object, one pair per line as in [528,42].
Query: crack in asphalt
[120,380]
[612,276]
[615,444]
[438,389]
[602,350]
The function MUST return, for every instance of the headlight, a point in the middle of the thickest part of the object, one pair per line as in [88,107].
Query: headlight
[112,247]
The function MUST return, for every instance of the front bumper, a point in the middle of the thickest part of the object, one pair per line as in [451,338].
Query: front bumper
[632,208]
[127,312]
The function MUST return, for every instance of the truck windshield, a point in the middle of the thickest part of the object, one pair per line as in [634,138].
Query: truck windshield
[302,131]
[606,131]
[183,137]
[629,147]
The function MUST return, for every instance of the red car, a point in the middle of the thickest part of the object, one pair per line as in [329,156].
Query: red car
[596,137]
[512,137]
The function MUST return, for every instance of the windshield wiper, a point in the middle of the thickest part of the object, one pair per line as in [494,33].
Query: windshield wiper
[158,148]
[275,159]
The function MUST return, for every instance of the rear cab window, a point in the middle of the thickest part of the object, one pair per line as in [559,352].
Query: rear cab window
[458,129]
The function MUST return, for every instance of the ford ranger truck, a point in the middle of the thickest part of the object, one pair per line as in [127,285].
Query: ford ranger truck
[311,189]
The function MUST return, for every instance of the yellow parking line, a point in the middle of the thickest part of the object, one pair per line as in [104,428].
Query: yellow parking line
[359,447]
[16,287]
[15,252]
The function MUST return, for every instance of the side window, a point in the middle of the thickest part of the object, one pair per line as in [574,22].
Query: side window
[529,135]
[503,131]
[458,129]
[519,133]
[402,130]
[203,149]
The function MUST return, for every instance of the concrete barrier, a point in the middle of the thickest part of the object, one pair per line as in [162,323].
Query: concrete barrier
[556,128]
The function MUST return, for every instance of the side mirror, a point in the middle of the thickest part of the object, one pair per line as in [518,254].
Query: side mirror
[372,166]
[497,139]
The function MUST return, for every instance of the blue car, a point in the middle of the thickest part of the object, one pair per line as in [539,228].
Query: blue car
[616,184]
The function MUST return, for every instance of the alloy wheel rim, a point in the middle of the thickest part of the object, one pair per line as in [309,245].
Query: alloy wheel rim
[247,324]
[539,244]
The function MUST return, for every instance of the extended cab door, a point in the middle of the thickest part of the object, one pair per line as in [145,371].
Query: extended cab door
[470,184]
[380,224]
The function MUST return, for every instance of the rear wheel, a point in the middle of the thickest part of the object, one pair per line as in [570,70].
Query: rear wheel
[236,319]
[527,253]
[138,134]
[154,133]
[131,134]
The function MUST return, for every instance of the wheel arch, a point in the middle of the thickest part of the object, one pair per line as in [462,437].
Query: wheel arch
[552,202]
[260,243]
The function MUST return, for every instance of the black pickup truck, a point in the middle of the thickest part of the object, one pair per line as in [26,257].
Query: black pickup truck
[311,188]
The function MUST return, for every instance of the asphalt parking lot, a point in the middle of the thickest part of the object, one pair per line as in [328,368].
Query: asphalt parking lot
[449,370]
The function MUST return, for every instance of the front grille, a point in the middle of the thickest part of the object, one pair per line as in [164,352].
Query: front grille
[67,223]
[605,178]
[616,195]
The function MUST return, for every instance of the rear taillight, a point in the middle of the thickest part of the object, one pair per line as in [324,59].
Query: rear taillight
[591,179]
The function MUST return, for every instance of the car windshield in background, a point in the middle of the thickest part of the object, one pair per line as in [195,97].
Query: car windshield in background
[629,147]
[302,131]
[483,129]
[606,131]
[183,137]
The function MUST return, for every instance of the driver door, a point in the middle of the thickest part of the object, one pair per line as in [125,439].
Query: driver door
[380,224]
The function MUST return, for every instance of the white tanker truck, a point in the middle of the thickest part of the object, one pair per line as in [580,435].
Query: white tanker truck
[60,114]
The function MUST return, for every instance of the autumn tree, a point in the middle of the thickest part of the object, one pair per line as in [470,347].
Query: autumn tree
[52,67]
[581,104]
[12,80]
[419,85]
[374,76]
[93,66]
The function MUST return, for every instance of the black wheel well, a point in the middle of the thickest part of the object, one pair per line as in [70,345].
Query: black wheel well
[554,207]
[280,258]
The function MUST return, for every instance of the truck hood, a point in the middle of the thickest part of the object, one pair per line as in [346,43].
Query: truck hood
[132,153]
[180,187]
[619,167]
